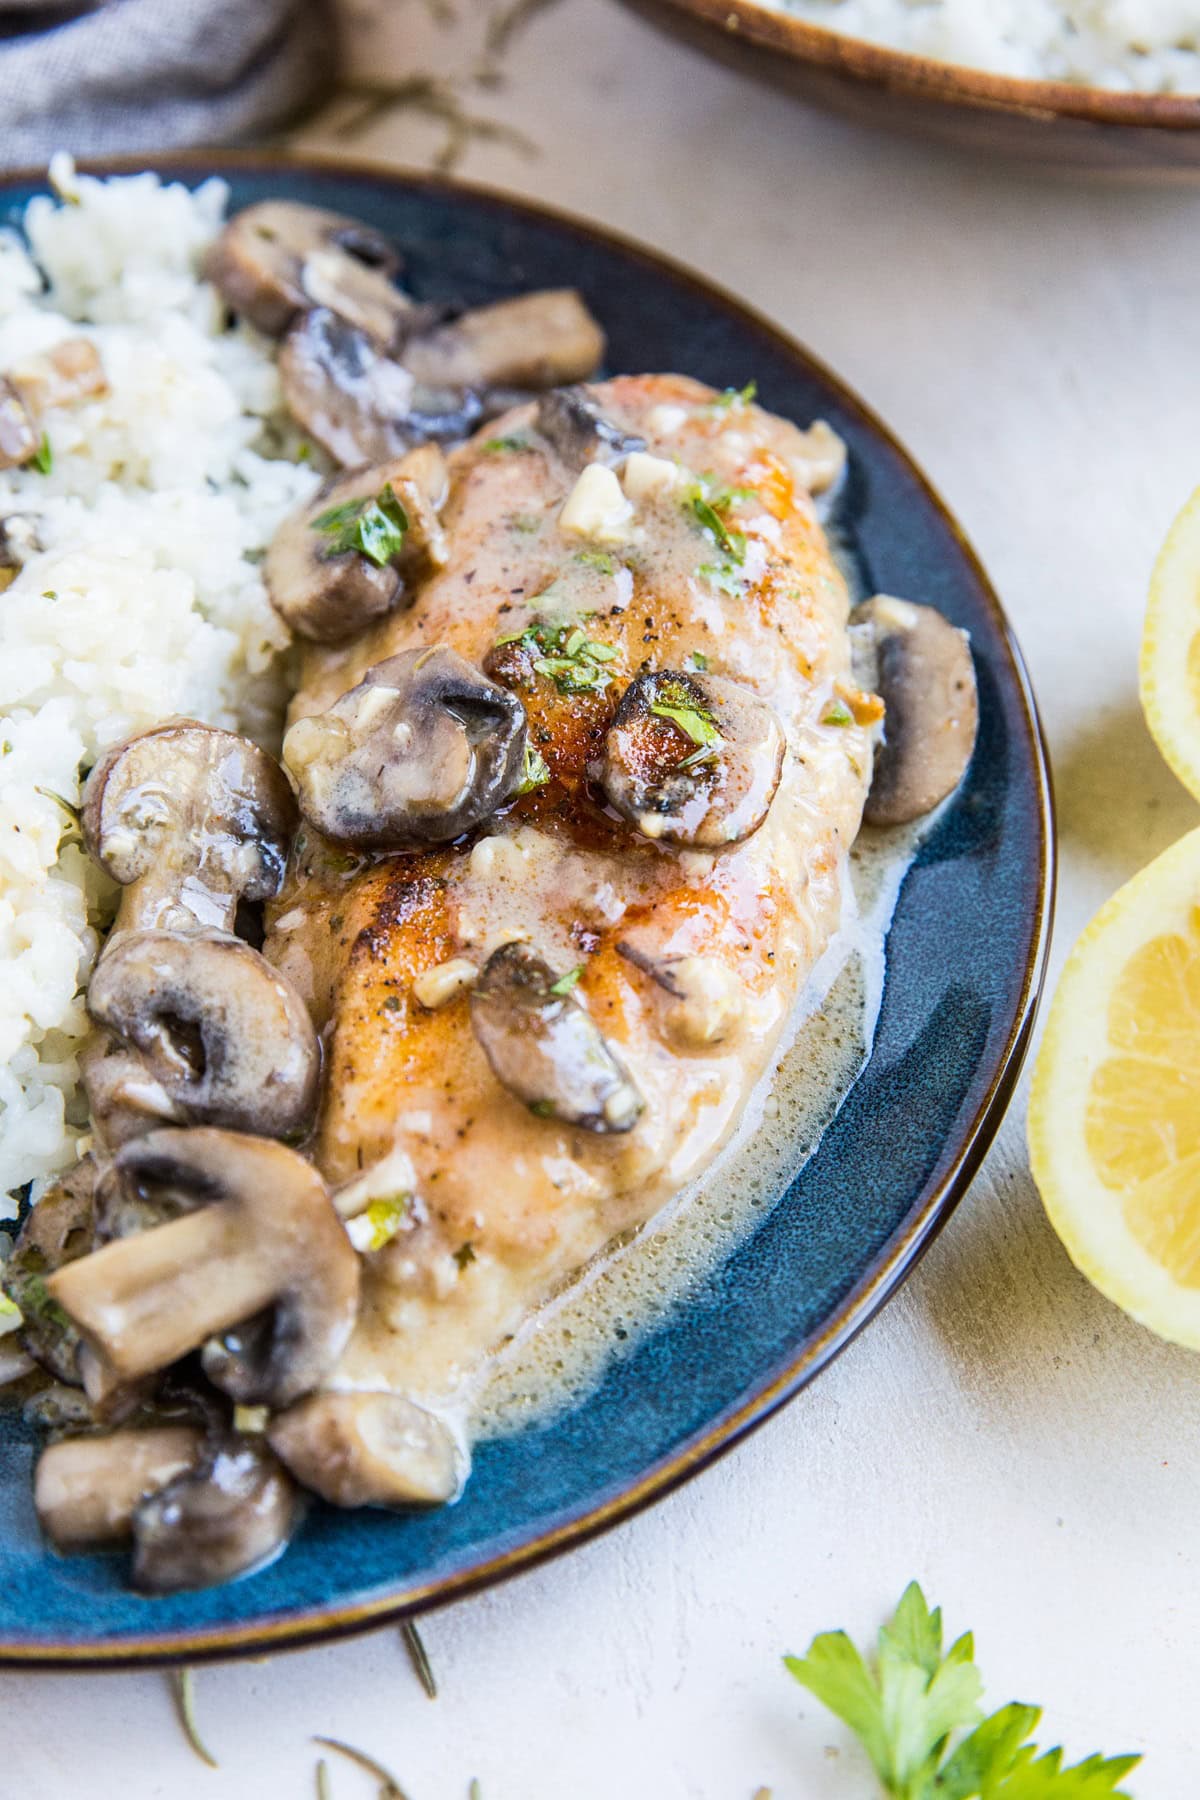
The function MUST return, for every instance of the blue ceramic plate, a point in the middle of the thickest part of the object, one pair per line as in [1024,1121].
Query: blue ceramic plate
[965,959]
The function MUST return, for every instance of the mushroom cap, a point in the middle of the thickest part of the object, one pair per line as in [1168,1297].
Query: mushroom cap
[537,340]
[86,1489]
[190,799]
[574,426]
[280,257]
[232,1512]
[546,1049]
[57,1230]
[221,1033]
[358,1449]
[921,666]
[358,403]
[421,751]
[326,593]
[692,759]
[255,1234]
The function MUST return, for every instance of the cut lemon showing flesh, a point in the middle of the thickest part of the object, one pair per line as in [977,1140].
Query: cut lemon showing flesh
[1170,671]
[1114,1117]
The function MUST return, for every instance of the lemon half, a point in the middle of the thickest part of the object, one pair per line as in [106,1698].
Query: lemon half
[1114,1119]
[1170,667]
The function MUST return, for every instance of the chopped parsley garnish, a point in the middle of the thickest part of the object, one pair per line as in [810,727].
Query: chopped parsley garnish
[695,721]
[379,1222]
[375,528]
[498,445]
[733,543]
[698,660]
[565,983]
[525,523]
[43,457]
[574,662]
[726,577]
[735,397]
[536,772]
[598,559]
[915,1708]
[837,713]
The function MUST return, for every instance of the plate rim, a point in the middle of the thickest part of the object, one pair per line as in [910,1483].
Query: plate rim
[893,1263]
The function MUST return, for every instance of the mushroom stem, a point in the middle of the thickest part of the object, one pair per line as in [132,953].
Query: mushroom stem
[87,1488]
[144,1301]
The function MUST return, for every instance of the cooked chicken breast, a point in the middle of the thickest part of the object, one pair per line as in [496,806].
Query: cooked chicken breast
[575,568]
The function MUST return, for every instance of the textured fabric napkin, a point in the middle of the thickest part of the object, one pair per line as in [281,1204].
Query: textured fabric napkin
[97,77]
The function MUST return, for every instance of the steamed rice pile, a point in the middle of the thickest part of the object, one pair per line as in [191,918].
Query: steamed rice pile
[1148,46]
[138,595]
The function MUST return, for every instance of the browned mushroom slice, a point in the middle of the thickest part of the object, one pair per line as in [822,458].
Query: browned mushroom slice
[367,1450]
[18,439]
[921,666]
[230,1513]
[189,820]
[263,1234]
[359,403]
[342,560]
[692,759]
[546,1049]
[60,1228]
[535,341]
[422,750]
[87,1489]
[279,258]
[572,423]
[224,1036]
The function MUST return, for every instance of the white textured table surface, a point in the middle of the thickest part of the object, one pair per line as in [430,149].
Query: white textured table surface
[1000,1431]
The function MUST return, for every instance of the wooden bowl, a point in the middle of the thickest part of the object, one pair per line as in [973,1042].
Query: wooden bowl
[1055,124]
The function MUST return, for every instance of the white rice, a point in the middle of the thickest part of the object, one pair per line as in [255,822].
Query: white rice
[1145,46]
[139,597]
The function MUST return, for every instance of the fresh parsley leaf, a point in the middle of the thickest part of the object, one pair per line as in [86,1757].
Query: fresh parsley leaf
[43,457]
[837,713]
[698,660]
[735,397]
[498,445]
[375,528]
[379,1222]
[726,577]
[908,1707]
[563,986]
[598,559]
[692,720]
[536,772]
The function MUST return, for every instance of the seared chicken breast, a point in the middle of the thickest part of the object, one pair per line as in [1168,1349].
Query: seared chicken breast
[534,1035]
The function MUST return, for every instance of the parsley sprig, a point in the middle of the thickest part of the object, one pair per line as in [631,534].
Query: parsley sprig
[913,1701]
[374,527]
[535,772]
[567,656]
[694,720]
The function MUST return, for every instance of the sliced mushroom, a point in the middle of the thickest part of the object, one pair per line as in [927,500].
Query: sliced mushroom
[224,1036]
[422,750]
[263,1233]
[87,1489]
[322,581]
[921,665]
[57,1230]
[70,372]
[359,403]
[692,759]
[546,1049]
[535,341]
[573,424]
[227,1515]
[18,439]
[189,820]
[367,1450]
[280,258]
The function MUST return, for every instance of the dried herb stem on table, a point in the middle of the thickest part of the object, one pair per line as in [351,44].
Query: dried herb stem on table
[418,1655]
[389,1789]
[184,1689]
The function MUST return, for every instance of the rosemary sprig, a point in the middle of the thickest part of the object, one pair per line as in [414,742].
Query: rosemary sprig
[413,1641]
[389,1789]
[183,1688]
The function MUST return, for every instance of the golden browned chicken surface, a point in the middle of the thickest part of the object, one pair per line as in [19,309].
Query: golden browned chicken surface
[670,604]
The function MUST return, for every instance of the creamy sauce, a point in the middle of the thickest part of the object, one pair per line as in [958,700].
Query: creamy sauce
[562,1351]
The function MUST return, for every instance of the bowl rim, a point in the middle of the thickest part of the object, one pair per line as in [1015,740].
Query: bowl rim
[295,1630]
[907,73]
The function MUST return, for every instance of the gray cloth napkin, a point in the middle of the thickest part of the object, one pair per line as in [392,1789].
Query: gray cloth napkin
[108,76]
